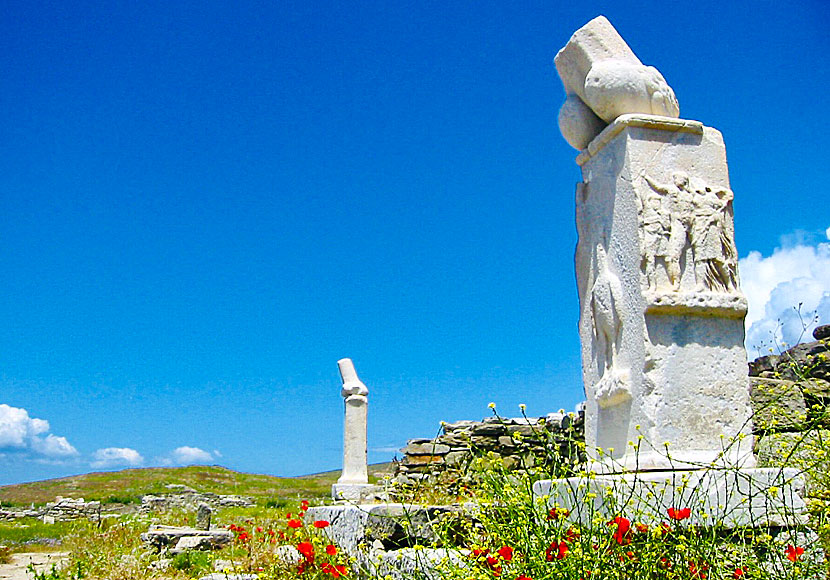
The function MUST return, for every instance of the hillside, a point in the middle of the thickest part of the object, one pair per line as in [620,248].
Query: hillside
[127,486]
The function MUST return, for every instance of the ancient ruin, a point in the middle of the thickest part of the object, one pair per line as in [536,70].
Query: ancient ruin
[354,480]
[661,311]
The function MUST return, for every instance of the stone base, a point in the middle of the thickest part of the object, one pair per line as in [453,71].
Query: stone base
[354,492]
[769,497]
[377,537]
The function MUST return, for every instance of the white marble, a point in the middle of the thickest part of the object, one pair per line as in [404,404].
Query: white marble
[661,319]
[604,79]
[355,469]
[731,498]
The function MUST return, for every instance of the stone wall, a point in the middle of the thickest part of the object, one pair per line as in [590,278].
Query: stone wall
[517,443]
[62,509]
[791,401]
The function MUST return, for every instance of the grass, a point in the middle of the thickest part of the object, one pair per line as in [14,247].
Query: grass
[127,486]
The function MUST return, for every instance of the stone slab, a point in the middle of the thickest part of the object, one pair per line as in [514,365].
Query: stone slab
[758,497]
[353,492]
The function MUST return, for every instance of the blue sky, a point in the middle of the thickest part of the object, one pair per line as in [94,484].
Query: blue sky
[205,205]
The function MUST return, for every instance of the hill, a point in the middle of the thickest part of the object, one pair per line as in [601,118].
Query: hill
[128,485]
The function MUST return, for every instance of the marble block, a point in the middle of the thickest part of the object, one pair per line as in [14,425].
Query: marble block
[661,312]
[731,498]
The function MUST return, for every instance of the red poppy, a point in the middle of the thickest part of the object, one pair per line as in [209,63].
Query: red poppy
[642,528]
[679,514]
[557,513]
[259,529]
[340,568]
[479,552]
[493,564]
[506,552]
[556,551]
[571,535]
[307,551]
[321,524]
[739,573]
[295,524]
[698,570]
[304,505]
[622,532]
[331,550]
[243,537]
[794,553]
[523,578]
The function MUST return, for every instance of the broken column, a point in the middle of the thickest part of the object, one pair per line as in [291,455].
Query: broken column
[661,311]
[354,480]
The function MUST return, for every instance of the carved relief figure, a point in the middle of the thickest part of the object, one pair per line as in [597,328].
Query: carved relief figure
[655,232]
[682,211]
[606,295]
[712,243]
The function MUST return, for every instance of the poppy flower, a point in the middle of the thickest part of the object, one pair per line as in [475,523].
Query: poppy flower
[307,551]
[557,513]
[571,535]
[739,573]
[331,550]
[506,552]
[622,531]
[556,551]
[523,578]
[642,528]
[479,552]
[794,553]
[321,524]
[698,570]
[679,514]
[492,563]
[295,524]
[304,505]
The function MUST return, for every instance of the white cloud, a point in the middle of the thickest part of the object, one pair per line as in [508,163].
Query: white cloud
[29,437]
[786,292]
[115,456]
[189,456]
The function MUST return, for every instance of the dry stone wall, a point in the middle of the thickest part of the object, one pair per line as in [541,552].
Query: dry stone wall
[791,400]
[517,443]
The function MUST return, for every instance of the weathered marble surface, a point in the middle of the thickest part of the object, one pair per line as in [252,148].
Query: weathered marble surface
[768,497]
[604,79]
[353,484]
[662,314]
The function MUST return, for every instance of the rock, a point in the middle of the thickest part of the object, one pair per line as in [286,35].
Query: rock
[777,405]
[203,513]
[161,537]
[288,555]
[458,426]
[425,447]
[822,332]
[804,451]
[186,543]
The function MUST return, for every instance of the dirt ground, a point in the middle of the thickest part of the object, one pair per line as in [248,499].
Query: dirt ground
[42,561]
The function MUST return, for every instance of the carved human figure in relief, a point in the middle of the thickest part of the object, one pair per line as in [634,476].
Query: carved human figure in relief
[699,218]
[681,208]
[713,246]
[655,232]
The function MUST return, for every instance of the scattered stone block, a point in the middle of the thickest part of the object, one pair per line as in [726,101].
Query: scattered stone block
[203,513]
[165,537]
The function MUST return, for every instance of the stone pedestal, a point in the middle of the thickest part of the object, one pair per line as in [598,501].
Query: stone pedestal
[731,498]
[353,484]
[661,319]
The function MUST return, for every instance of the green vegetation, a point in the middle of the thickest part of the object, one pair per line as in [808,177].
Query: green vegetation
[127,486]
